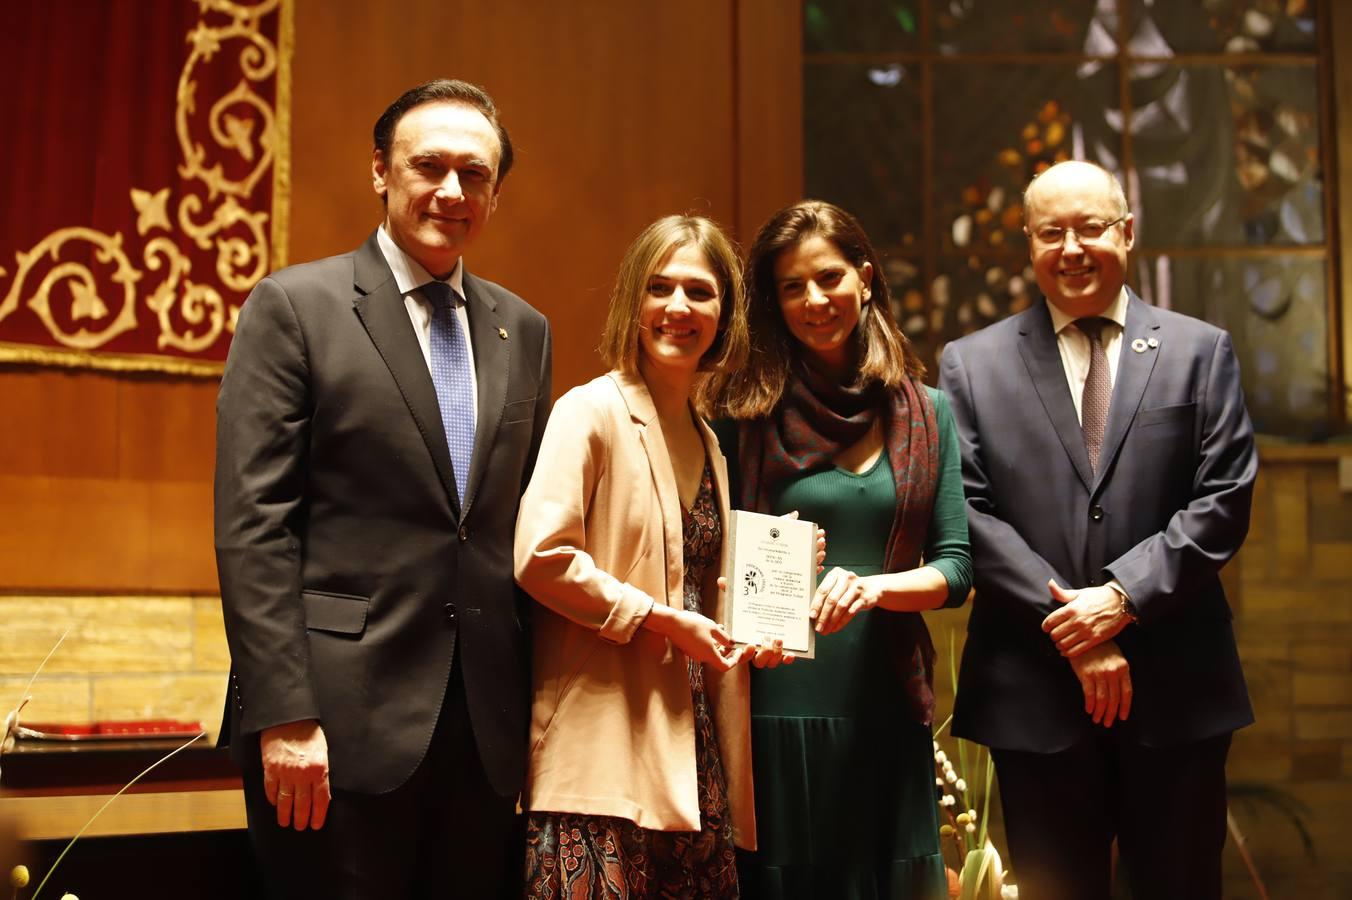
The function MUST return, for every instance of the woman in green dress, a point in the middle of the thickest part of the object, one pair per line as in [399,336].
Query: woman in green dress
[834,421]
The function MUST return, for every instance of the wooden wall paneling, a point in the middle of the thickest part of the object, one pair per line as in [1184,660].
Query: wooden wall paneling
[620,113]
[167,429]
[180,552]
[59,533]
[769,111]
[58,422]
[105,482]
[105,535]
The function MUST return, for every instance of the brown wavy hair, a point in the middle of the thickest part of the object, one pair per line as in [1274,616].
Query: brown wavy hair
[883,353]
[619,340]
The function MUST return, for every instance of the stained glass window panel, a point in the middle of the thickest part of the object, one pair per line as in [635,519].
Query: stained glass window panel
[860,26]
[1227,155]
[1276,312]
[863,148]
[1224,26]
[996,126]
[1051,26]
[971,292]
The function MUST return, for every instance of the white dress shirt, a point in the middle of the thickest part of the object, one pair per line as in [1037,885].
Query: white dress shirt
[1074,346]
[410,276]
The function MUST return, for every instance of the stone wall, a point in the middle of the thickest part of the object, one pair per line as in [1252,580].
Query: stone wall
[124,658]
[1293,616]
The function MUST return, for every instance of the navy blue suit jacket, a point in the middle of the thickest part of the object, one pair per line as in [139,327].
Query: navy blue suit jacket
[1167,508]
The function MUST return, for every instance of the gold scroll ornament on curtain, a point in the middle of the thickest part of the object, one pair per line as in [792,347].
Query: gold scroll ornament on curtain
[163,292]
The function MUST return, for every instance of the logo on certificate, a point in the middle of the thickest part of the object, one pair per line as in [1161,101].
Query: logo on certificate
[753,580]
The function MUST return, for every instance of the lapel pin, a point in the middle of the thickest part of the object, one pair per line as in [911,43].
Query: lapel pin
[1152,343]
[502,333]
[1138,345]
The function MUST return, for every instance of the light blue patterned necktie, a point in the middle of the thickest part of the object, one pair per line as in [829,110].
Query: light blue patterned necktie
[449,352]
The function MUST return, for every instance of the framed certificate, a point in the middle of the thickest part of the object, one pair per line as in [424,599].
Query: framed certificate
[771,568]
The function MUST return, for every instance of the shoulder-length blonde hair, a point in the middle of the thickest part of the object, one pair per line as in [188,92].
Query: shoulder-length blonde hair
[882,351]
[619,340]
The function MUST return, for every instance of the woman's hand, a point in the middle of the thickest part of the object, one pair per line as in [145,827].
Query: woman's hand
[769,654]
[841,595]
[821,539]
[698,637]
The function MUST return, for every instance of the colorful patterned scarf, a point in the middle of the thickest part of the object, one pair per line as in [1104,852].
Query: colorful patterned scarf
[814,421]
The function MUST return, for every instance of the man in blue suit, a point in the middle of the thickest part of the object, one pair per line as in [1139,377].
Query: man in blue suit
[1108,463]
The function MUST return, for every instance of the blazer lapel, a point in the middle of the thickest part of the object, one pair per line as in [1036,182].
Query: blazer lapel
[1043,360]
[492,356]
[644,415]
[1133,373]
[381,310]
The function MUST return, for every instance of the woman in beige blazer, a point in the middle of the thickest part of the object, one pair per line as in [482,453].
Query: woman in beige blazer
[640,761]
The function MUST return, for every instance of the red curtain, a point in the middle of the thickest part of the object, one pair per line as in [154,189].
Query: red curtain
[142,177]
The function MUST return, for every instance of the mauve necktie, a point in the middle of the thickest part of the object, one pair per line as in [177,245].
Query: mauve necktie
[451,378]
[1098,389]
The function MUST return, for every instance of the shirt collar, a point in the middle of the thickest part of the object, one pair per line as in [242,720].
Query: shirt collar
[1115,313]
[409,273]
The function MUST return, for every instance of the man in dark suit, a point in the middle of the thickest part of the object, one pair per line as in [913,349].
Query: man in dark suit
[1108,463]
[377,423]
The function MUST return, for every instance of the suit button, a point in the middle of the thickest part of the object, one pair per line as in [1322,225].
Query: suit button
[450,612]
[1096,512]
[463,533]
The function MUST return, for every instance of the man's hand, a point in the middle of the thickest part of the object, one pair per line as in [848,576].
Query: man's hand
[1089,617]
[1105,677]
[296,773]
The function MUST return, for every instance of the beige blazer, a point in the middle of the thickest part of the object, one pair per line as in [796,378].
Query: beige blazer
[598,537]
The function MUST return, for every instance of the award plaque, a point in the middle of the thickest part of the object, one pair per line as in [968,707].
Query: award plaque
[771,568]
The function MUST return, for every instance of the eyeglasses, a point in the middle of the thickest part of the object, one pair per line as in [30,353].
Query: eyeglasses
[1088,233]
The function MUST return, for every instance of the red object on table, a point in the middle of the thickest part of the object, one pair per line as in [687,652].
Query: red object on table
[86,731]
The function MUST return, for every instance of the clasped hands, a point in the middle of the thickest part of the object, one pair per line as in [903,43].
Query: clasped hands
[1083,629]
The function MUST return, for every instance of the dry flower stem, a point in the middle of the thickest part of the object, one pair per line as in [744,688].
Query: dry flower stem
[146,771]
[1242,846]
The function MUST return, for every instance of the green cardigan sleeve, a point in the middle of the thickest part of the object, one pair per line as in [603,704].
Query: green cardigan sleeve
[946,545]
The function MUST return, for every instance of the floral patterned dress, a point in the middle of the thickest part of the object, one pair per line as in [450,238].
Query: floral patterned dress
[584,857]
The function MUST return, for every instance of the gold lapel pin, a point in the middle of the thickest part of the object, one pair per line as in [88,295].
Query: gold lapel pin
[502,333]
[1138,345]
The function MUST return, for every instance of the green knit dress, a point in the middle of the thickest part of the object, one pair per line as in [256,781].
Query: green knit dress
[845,792]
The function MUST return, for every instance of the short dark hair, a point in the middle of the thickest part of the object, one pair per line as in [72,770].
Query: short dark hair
[443,90]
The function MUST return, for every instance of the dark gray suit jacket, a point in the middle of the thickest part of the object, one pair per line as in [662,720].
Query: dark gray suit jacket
[1167,508]
[350,575]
